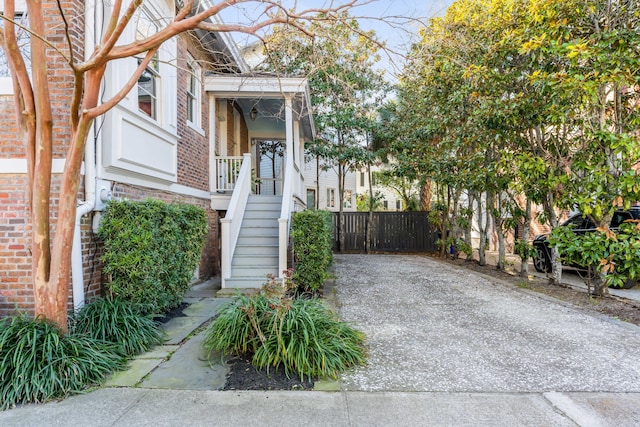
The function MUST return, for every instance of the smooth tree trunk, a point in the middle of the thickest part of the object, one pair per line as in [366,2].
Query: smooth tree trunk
[483,221]
[467,229]
[498,224]
[370,216]
[556,261]
[526,230]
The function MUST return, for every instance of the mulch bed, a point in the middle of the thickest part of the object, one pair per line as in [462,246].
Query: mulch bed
[243,376]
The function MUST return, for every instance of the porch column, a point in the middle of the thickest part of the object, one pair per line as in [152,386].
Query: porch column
[288,114]
[213,122]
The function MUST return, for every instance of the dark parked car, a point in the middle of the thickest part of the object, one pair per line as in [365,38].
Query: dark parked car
[581,225]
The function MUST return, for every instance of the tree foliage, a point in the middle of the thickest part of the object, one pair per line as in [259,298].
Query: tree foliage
[531,97]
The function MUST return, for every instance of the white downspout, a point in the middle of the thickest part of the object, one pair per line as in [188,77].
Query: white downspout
[77,273]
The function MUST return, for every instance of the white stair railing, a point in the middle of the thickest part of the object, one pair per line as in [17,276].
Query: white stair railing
[285,219]
[227,170]
[231,223]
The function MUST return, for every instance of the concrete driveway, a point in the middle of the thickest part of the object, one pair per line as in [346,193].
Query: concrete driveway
[434,327]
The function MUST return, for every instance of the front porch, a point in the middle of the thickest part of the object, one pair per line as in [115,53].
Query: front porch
[267,118]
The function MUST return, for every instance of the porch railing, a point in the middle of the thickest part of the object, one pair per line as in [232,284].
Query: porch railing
[231,223]
[227,171]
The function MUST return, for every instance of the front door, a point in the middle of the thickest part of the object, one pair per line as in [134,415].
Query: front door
[271,170]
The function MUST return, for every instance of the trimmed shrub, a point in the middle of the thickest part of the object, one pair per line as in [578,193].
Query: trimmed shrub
[312,242]
[302,335]
[38,362]
[119,322]
[151,249]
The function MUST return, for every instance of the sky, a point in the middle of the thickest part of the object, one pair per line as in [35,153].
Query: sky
[395,21]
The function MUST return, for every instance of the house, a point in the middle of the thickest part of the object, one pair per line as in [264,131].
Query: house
[197,128]
[322,188]
[390,200]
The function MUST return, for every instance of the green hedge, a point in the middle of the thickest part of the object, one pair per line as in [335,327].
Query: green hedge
[312,242]
[151,249]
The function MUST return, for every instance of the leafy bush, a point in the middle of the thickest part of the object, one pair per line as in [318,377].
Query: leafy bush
[119,322]
[38,362]
[615,255]
[302,335]
[151,249]
[312,242]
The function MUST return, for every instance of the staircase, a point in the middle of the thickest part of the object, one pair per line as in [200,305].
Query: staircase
[256,253]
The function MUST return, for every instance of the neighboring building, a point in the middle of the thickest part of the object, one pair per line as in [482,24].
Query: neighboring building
[391,201]
[322,188]
[186,133]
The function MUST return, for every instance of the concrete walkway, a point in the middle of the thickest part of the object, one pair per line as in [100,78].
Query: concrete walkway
[447,347]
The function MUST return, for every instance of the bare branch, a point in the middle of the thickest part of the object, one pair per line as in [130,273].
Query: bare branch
[119,96]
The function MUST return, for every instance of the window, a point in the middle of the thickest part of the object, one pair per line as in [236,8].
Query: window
[311,198]
[347,199]
[24,42]
[398,205]
[194,100]
[149,81]
[361,179]
[331,197]
[386,205]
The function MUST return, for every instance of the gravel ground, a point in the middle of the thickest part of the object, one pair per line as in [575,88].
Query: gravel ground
[437,327]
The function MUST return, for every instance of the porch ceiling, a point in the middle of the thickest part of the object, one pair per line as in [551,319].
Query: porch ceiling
[267,95]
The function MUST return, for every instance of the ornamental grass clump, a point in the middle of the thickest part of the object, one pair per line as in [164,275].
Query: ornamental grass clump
[38,362]
[302,335]
[119,322]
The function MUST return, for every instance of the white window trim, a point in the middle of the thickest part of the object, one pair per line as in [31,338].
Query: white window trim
[330,199]
[197,95]
[6,83]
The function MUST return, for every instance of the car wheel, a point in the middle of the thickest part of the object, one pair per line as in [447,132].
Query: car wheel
[540,261]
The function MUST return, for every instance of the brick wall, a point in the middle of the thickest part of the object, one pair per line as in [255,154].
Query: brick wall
[193,146]
[15,259]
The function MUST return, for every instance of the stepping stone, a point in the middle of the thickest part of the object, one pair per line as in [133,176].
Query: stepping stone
[138,369]
[189,368]
[207,307]
[178,328]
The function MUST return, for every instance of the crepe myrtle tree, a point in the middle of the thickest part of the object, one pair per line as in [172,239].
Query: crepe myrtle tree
[51,252]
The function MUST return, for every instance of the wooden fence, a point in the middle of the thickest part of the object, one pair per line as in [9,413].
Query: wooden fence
[390,232]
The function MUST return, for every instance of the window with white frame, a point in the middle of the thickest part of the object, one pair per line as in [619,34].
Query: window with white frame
[24,43]
[331,197]
[347,199]
[194,93]
[149,80]
[362,179]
